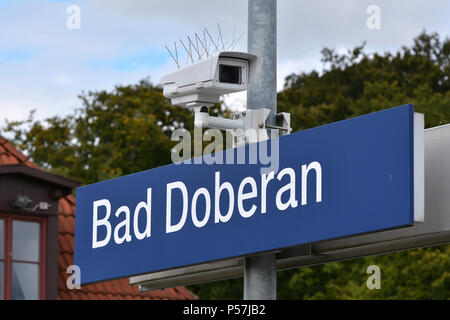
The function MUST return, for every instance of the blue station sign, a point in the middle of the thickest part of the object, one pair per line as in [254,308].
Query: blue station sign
[342,179]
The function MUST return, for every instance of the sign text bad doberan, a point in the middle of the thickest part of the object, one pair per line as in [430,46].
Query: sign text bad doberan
[342,179]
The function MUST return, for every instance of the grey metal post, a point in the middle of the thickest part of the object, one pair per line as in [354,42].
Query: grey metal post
[262,41]
[260,275]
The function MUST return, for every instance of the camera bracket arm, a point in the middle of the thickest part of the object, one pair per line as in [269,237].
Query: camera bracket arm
[246,126]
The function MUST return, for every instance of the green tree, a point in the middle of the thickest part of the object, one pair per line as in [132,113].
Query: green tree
[356,83]
[112,134]
[414,274]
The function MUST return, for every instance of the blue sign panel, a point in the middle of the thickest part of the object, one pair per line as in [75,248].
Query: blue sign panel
[342,179]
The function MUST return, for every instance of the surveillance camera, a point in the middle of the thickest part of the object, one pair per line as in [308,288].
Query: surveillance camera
[202,83]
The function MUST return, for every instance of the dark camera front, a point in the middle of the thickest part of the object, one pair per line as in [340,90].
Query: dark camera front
[230,74]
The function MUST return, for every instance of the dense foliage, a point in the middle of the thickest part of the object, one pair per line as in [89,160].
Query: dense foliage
[128,130]
[356,83]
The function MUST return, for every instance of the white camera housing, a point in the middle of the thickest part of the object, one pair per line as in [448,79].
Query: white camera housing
[202,83]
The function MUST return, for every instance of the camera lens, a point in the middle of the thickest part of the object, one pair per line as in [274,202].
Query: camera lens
[230,74]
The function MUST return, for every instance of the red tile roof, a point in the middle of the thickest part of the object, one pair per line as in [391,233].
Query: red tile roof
[10,155]
[110,290]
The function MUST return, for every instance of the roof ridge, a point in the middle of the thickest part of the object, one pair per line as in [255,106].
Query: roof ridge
[18,155]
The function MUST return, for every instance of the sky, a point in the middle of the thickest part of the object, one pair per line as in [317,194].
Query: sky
[45,65]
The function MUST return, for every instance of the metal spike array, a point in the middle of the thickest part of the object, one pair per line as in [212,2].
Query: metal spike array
[204,47]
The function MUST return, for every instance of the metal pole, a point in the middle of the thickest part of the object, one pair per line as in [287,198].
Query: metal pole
[260,275]
[262,42]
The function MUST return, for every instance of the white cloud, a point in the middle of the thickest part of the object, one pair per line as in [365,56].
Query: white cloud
[57,64]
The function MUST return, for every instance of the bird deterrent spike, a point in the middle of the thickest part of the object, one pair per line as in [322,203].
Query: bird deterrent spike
[237,41]
[204,47]
[220,36]
[201,48]
[176,53]
[215,45]
[197,39]
[191,45]
[188,52]
[200,56]
[234,39]
[207,43]
[175,59]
